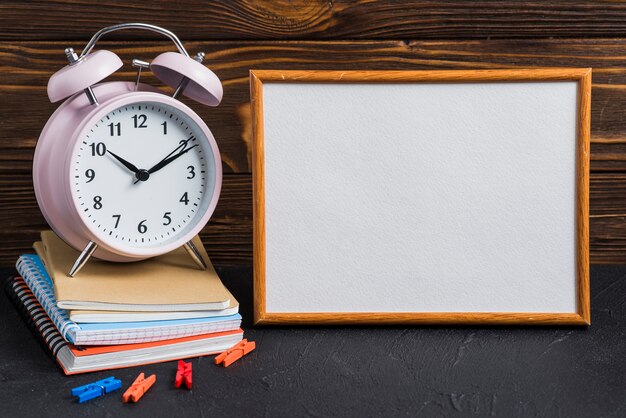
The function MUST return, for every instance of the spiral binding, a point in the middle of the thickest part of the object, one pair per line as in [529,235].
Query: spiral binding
[32,270]
[35,316]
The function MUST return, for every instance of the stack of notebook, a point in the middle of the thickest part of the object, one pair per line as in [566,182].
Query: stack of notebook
[123,314]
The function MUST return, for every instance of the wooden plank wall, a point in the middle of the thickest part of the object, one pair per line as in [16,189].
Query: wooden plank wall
[240,35]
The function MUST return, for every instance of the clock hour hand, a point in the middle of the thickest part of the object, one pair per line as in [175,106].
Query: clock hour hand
[125,163]
[168,160]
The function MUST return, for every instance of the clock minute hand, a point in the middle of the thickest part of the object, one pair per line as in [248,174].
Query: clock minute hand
[182,144]
[166,161]
[125,163]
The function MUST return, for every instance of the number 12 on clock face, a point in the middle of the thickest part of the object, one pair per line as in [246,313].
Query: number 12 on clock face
[124,171]
[143,174]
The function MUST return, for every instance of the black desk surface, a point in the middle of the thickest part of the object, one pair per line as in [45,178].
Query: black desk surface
[359,371]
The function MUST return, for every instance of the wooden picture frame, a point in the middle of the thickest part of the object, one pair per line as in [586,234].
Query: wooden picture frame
[261,79]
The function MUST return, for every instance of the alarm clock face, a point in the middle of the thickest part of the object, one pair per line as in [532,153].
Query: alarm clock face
[143,175]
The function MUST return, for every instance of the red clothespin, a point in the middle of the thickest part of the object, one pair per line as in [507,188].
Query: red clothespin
[183,374]
[138,388]
[236,352]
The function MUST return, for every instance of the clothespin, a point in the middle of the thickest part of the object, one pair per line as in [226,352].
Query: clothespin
[138,388]
[183,374]
[236,352]
[96,389]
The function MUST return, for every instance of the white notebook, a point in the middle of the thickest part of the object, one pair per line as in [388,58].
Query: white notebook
[96,317]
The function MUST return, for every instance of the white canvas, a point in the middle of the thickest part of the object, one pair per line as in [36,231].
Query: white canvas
[420,197]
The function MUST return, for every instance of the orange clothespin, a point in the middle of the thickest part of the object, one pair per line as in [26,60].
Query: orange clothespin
[183,374]
[236,352]
[138,388]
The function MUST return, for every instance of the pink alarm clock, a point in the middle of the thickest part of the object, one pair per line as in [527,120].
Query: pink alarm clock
[123,171]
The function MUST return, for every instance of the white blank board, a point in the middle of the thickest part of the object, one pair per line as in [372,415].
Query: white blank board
[420,197]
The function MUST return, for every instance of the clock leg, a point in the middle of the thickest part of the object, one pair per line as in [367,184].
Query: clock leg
[83,257]
[195,254]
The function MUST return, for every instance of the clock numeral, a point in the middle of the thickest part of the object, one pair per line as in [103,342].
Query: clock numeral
[142,228]
[140,121]
[98,149]
[90,174]
[184,199]
[167,218]
[164,125]
[117,220]
[115,129]
[97,202]
[191,173]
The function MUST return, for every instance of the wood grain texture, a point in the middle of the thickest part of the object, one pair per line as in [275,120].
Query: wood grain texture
[227,237]
[26,66]
[258,196]
[581,205]
[418,318]
[318,19]
[581,75]
[583,299]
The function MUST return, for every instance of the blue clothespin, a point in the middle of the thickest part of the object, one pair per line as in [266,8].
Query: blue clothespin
[96,389]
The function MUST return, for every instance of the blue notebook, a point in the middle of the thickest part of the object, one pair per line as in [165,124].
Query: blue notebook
[32,270]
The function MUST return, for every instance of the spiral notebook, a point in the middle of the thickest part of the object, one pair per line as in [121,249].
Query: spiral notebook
[32,270]
[73,359]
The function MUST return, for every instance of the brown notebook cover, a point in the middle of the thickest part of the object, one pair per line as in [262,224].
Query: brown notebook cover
[170,282]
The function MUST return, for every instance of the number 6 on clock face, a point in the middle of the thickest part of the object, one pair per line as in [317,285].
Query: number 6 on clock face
[123,171]
[142,176]
[143,173]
